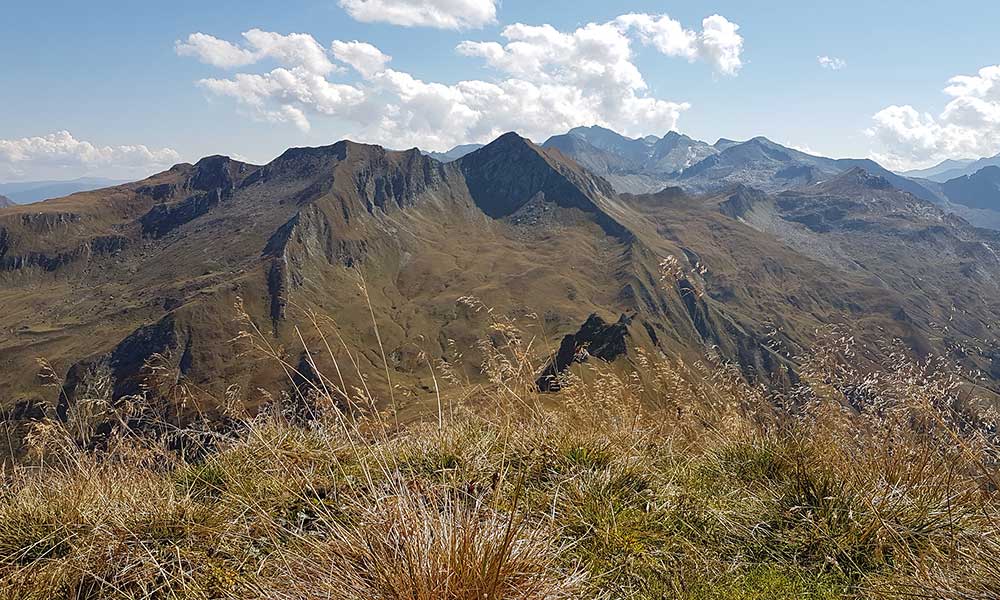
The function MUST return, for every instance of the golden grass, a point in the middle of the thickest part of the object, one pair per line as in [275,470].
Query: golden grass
[852,486]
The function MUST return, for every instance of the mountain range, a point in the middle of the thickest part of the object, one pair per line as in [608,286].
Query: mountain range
[952,169]
[650,164]
[761,251]
[6,202]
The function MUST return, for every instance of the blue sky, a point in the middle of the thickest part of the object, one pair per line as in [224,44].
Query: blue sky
[104,88]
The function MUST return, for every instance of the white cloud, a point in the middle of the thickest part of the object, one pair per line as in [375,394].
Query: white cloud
[213,51]
[60,152]
[718,42]
[283,95]
[831,62]
[299,49]
[299,83]
[443,14]
[546,81]
[365,58]
[721,44]
[969,125]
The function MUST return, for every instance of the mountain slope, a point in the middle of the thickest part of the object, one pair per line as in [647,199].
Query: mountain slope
[981,190]
[6,202]
[101,282]
[131,290]
[934,173]
[854,251]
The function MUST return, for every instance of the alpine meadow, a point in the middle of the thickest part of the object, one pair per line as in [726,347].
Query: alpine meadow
[449,300]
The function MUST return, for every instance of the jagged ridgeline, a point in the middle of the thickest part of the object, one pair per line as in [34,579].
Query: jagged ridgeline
[117,285]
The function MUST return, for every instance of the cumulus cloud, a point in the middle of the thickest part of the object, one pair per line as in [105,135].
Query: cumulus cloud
[295,48]
[831,62]
[443,14]
[718,41]
[969,125]
[364,58]
[546,81]
[284,94]
[213,51]
[61,152]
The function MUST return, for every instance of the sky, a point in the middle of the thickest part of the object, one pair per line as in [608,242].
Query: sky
[124,89]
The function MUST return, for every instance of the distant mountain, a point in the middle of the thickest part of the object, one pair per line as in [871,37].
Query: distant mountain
[771,167]
[631,164]
[967,168]
[455,153]
[981,190]
[26,192]
[651,164]
[759,163]
[723,143]
[6,202]
[934,172]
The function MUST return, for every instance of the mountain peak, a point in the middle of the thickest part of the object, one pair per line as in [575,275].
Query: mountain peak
[455,153]
[510,138]
[763,141]
[856,178]
[508,173]
[338,149]
[595,129]
[674,135]
[723,143]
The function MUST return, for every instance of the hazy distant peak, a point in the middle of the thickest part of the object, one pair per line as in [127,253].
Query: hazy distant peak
[724,143]
[455,153]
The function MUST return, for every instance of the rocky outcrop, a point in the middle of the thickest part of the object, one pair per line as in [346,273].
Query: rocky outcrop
[48,222]
[211,182]
[385,184]
[164,218]
[39,260]
[119,373]
[741,201]
[99,246]
[595,338]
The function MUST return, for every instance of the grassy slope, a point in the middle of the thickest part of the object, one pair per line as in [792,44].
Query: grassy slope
[710,493]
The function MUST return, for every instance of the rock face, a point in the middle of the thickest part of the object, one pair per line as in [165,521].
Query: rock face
[595,338]
[177,269]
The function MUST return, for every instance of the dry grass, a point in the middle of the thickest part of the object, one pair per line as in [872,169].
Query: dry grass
[852,486]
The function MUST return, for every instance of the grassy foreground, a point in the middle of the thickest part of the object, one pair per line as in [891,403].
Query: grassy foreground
[856,486]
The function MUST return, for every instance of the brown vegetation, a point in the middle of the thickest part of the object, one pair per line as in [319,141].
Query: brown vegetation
[852,485]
